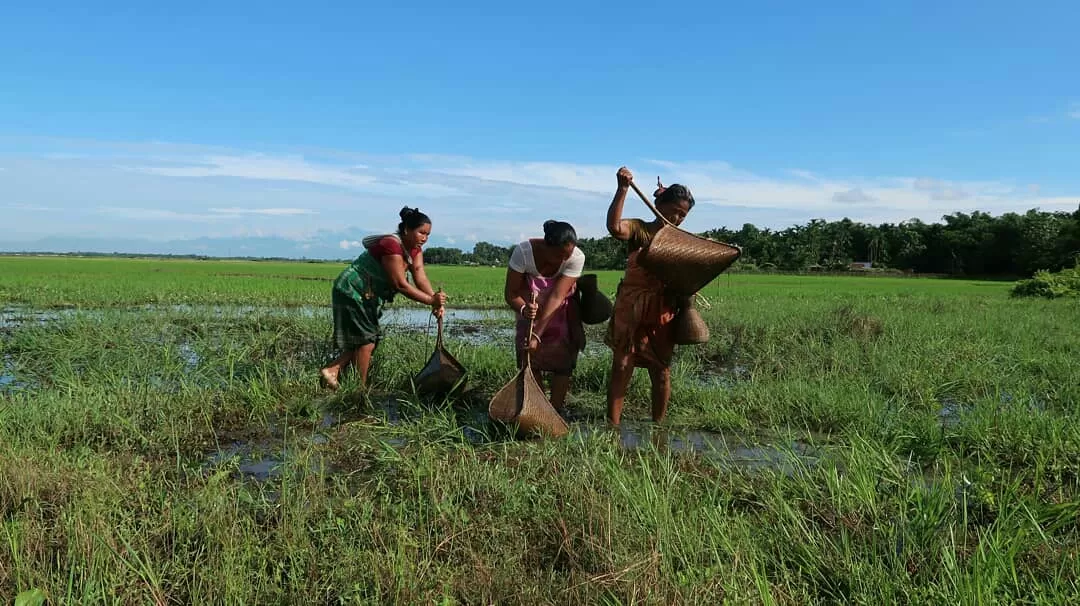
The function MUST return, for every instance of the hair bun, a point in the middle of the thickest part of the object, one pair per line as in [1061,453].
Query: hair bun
[407,212]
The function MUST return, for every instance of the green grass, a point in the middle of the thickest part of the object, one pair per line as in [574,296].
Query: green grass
[59,282]
[941,419]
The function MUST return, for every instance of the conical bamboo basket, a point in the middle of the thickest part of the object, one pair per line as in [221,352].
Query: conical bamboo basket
[442,371]
[686,261]
[523,401]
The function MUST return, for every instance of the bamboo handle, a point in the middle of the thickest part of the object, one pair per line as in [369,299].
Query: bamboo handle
[528,337]
[439,321]
[649,203]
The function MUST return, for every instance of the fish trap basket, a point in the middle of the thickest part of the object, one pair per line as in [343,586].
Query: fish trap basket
[594,306]
[686,262]
[522,401]
[689,328]
[442,372]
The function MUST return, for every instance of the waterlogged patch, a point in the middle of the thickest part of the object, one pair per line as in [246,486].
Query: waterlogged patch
[412,317]
[8,381]
[724,378]
[731,449]
[189,356]
[951,412]
[14,317]
[267,459]
[476,326]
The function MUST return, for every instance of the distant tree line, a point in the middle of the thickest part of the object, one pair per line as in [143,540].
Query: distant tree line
[975,244]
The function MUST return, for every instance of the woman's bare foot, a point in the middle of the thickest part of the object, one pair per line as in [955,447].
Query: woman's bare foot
[330,379]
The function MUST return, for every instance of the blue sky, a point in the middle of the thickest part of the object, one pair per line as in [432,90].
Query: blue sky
[321,120]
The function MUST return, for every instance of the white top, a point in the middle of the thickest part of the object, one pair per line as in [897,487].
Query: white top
[521,260]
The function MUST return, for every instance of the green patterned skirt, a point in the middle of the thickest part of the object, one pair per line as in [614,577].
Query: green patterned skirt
[356,323]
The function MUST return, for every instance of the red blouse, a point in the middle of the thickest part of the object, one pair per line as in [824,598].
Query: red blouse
[392,246]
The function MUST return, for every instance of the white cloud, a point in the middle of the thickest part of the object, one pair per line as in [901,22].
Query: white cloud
[211,214]
[277,212]
[162,214]
[192,191]
[258,166]
[940,190]
[853,195]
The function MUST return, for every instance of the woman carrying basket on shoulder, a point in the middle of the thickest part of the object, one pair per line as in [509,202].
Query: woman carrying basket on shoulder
[373,279]
[640,329]
[549,266]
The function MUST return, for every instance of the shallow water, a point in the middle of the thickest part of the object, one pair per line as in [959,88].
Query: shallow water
[421,317]
[723,378]
[189,356]
[13,317]
[262,459]
[950,412]
[9,382]
[709,444]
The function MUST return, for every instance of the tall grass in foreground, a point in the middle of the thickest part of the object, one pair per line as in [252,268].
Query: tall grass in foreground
[943,467]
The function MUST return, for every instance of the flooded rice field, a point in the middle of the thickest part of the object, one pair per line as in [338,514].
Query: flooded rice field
[825,446]
[262,455]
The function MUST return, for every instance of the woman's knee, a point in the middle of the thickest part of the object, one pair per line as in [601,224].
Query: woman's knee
[621,362]
[660,373]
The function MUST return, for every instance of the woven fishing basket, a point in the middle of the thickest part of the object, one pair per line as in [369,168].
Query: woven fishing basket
[688,327]
[685,262]
[522,401]
[442,372]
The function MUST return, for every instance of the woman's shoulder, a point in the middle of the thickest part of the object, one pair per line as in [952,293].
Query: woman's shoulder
[575,265]
[640,234]
[391,242]
[386,245]
[517,257]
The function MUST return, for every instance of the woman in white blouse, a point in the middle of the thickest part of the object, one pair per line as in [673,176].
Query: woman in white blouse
[549,266]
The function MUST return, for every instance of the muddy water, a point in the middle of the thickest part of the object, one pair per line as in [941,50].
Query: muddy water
[264,459]
[9,380]
[8,383]
[734,449]
[13,317]
[724,377]
[189,356]
[475,326]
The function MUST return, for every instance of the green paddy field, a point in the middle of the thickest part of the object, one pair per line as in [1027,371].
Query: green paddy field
[871,440]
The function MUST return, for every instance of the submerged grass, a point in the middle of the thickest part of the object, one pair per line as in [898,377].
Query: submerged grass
[940,457]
